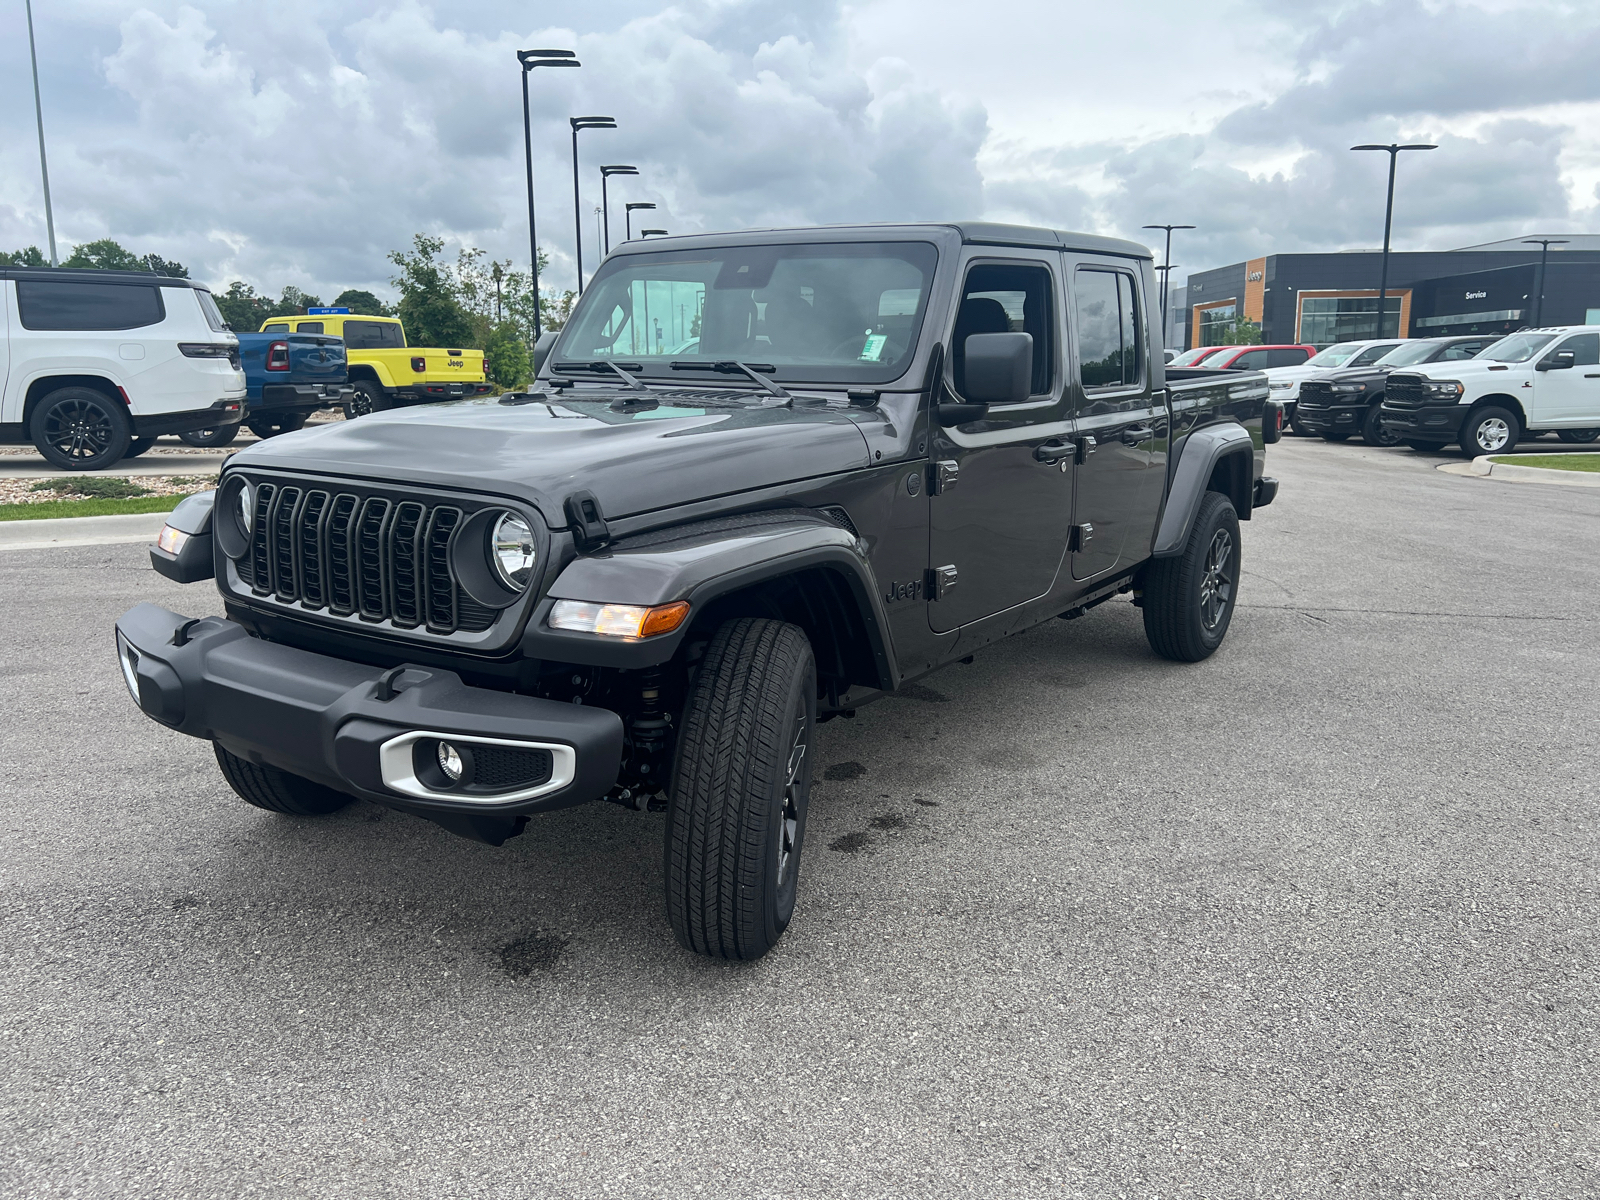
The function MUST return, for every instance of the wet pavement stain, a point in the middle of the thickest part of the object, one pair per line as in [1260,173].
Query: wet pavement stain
[536,952]
[851,843]
[844,770]
[888,820]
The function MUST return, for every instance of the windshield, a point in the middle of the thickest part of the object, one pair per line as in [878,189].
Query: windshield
[832,313]
[1334,356]
[1518,347]
[1190,357]
[1408,355]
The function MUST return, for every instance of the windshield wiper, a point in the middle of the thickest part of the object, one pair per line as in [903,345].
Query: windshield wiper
[733,367]
[605,364]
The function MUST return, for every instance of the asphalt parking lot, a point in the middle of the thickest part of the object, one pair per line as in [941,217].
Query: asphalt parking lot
[1314,918]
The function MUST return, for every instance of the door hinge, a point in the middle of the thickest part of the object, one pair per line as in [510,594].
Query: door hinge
[1080,536]
[1086,447]
[942,476]
[940,580]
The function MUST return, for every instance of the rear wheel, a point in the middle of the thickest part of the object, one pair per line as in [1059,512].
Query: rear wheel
[1373,432]
[264,427]
[1489,430]
[367,398]
[138,446]
[1578,437]
[277,791]
[1422,444]
[220,436]
[80,429]
[1189,599]
[736,816]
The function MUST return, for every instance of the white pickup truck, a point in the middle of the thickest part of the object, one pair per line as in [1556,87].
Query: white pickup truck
[1527,382]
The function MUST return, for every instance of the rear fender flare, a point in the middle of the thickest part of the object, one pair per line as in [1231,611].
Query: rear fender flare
[1201,453]
[702,562]
[372,372]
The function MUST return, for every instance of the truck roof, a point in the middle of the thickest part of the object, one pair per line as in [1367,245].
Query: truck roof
[94,275]
[977,233]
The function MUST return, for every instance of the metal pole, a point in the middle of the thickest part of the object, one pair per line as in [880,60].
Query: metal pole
[1166,284]
[38,112]
[1388,221]
[605,207]
[577,209]
[533,241]
[1538,303]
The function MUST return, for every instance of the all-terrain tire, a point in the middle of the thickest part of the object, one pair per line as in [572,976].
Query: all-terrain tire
[277,791]
[1489,430]
[1373,433]
[367,398]
[1578,437]
[81,429]
[222,435]
[736,813]
[1189,599]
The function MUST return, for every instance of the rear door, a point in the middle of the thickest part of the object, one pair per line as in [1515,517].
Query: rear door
[1122,424]
[1002,487]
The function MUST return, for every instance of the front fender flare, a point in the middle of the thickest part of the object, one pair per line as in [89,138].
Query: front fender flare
[1198,456]
[700,562]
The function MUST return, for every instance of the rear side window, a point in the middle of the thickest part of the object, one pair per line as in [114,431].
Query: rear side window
[1006,299]
[1109,343]
[212,312]
[309,327]
[45,304]
[275,328]
[1287,358]
[373,335]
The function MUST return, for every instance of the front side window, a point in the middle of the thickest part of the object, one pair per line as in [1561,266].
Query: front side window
[1252,360]
[1372,354]
[47,304]
[1409,354]
[830,312]
[1585,348]
[1518,347]
[373,335]
[275,327]
[1002,298]
[1190,358]
[1109,342]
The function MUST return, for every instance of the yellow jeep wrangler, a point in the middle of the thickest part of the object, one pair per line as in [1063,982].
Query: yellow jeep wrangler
[384,371]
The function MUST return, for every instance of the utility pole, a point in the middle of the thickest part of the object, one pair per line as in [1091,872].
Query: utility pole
[44,167]
[1166,273]
[1393,150]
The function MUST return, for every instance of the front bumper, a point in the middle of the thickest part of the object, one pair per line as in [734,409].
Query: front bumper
[1333,418]
[300,397]
[349,726]
[223,412]
[1431,422]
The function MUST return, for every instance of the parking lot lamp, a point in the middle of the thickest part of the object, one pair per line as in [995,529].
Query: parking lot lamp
[605,204]
[578,125]
[1544,245]
[1388,221]
[529,60]
[628,218]
[38,112]
[1166,277]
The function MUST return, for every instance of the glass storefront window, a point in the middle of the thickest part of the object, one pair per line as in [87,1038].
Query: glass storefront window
[1216,324]
[1325,320]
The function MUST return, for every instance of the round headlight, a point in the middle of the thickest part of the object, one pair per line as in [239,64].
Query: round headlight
[247,507]
[512,551]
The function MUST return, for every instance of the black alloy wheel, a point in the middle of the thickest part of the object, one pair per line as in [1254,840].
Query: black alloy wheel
[80,429]
[220,436]
[138,446]
[1578,437]
[1489,430]
[1373,432]
[367,398]
[741,779]
[275,790]
[1189,599]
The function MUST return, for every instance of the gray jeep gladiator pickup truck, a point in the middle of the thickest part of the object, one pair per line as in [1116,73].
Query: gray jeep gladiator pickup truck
[761,480]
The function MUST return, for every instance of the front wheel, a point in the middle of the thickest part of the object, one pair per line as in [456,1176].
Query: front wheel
[81,429]
[220,436]
[1373,433]
[1300,428]
[277,791]
[1189,599]
[736,814]
[1578,437]
[1489,430]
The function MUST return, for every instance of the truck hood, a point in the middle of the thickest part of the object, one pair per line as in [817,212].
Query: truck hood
[690,448]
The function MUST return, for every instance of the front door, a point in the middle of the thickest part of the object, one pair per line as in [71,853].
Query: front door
[1122,425]
[1571,396]
[1001,487]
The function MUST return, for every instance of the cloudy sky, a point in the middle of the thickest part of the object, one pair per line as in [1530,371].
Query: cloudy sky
[299,142]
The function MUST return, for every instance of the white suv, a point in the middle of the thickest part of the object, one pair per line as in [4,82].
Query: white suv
[1284,382]
[96,364]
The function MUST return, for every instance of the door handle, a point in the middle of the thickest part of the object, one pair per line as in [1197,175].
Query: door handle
[1139,433]
[1054,452]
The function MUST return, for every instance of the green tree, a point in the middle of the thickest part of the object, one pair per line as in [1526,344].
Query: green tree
[163,266]
[108,254]
[363,302]
[430,300]
[1241,331]
[31,257]
[241,308]
[505,356]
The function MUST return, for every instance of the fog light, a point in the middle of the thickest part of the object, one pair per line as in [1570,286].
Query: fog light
[171,540]
[129,657]
[450,762]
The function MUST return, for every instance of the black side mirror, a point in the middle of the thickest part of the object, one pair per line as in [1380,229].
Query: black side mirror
[1561,360]
[542,348]
[999,368]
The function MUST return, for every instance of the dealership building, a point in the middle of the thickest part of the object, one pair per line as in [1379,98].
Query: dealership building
[1319,299]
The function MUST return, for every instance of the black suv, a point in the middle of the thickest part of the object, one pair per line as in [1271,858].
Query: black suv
[1342,403]
[763,479]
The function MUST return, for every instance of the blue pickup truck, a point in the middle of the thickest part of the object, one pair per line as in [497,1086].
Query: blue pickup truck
[288,376]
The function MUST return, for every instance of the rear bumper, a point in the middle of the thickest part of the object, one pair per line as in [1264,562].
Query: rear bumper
[328,720]
[299,397]
[1432,422]
[429,392]
[223,412]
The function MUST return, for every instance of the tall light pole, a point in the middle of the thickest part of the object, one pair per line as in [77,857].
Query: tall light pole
[630,207]
[1166,279]
[605,204]
[38,112]
[578,125]
[1544,245]
[1166,290]
[529,60]
[1393,150]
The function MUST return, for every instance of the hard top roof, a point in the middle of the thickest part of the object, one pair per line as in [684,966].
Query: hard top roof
[977,233]
[332,317]
[92,275]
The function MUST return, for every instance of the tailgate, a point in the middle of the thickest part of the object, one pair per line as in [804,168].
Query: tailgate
[315,358]
[451,366]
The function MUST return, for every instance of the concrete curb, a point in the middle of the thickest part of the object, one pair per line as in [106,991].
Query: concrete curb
[1483,466]
[81,531]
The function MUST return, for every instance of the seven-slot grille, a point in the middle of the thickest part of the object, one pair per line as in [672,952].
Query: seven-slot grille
[1403,391]
[367,556]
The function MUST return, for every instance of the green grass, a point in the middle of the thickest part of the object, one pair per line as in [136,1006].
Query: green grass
[87,508]
[1555,462]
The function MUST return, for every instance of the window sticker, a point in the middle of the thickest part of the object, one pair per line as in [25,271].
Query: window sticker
[873,350]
